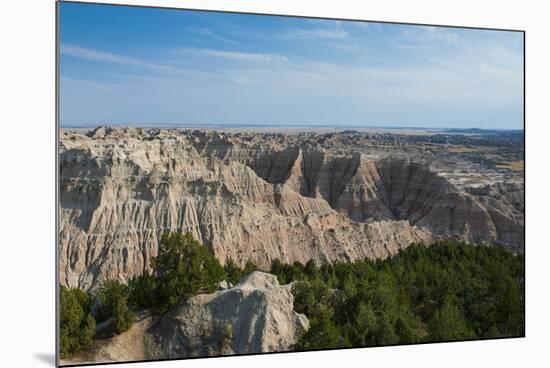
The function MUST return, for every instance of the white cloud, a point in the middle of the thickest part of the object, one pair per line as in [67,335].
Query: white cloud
[475,81]
[95,55]
[239,56]
[301,93]
[317,34]
[102,56]
[211,34]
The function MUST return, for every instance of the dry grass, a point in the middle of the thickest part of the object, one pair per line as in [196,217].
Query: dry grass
[461,149]
[513,165]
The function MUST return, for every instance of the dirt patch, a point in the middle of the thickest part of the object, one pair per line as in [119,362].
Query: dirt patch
[129,346]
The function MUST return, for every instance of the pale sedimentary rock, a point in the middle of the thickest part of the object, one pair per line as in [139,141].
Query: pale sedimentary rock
[121,189]
[255,316]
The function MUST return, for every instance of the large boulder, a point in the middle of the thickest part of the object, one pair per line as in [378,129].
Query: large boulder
[255,316]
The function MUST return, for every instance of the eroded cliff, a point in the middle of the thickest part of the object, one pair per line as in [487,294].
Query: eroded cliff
[120,189]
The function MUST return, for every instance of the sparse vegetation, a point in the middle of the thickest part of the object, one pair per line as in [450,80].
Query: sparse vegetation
[232,271]
[462,149]
[512,165]
[142,291]
[113,300]
[76,322]
[183,267]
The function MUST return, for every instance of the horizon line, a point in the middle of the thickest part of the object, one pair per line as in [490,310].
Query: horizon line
[268,125]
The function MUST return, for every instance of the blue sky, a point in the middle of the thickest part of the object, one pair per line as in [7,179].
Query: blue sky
[143,66]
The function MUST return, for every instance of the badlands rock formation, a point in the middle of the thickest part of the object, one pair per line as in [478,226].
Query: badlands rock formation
[121,188]
[255,316]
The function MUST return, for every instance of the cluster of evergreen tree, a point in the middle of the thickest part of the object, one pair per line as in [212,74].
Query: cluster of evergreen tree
[113,310]
[77,325]
[182,268]
[444,292]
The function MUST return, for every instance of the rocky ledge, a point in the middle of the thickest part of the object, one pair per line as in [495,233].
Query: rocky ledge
[255,316]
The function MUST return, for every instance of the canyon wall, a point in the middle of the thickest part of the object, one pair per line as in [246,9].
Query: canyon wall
[120,189]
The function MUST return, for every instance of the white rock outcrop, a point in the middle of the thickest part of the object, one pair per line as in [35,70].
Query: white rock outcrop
[120,191]
[122,188]
[255,316]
